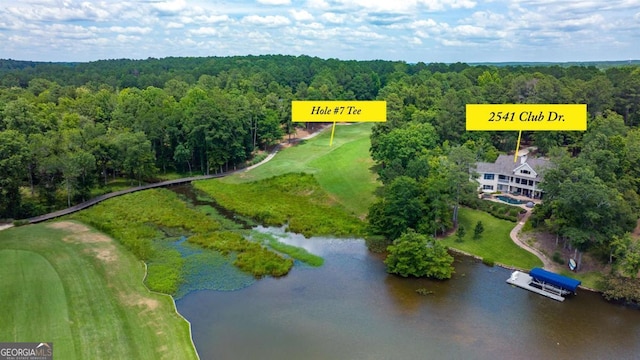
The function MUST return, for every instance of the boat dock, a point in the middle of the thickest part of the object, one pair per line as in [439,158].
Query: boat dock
[524,280]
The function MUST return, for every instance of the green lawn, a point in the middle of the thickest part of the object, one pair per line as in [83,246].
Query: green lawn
[83,291]
[494,244]
[343,169]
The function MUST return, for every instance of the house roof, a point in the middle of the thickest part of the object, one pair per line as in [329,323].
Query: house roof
[504,165]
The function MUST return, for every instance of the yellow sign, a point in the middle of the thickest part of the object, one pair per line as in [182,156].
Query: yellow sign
[333,111]
[518,117]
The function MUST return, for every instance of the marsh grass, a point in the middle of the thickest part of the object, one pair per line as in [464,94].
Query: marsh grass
[342,170]
[295,252]
[141,221]
[295,199]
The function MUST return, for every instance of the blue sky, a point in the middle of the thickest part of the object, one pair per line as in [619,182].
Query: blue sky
[409,30]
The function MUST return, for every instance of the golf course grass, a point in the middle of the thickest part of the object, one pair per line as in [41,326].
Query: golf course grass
[67,284]
[494,244]
[343,169]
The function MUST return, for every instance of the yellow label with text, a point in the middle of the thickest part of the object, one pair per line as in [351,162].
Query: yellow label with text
[341,111]
[537,117]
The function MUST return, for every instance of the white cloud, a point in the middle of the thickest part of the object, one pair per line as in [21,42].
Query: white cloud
[317,4]
[301,15]
[127,38]
[211,19]
[131,29]
[64,31]
[204,31]
[275,2]
[174,25]
[67,11]
[78,30]
[334,18]
[173,6]
[269,20]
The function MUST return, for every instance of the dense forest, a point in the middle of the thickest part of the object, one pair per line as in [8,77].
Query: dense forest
[69,128]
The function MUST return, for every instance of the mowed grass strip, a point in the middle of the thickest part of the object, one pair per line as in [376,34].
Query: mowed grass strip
[494,243]
[33,302]
[84,291]
[343,170]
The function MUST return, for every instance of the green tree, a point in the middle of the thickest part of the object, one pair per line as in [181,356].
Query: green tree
[414,254]
[399,209]
[460,233]
[14,156]
[478,230]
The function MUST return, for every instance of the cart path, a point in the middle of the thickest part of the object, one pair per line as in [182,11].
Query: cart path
[514,236]
[96,200]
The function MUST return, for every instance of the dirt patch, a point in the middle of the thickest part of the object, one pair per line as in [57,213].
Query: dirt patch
[302,134]
[79,233]
[105,254]
[147,304]
[69,226]
[636,231]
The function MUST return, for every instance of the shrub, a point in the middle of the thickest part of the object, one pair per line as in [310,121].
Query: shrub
[414,254]
[557,257]
[20,222]
[618,288]
[478,230]
[489,262]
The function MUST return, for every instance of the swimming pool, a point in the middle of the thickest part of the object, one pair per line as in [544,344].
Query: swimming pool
[510,200]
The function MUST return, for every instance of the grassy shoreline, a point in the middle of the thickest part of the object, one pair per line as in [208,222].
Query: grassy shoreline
[495,244]
[123,319]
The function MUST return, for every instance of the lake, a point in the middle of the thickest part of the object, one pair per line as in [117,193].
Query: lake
[350,308]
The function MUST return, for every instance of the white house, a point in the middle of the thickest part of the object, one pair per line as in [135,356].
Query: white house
[518,178]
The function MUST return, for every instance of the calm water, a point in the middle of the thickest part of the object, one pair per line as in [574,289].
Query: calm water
[352,309]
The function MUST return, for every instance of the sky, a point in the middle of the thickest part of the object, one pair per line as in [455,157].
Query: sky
[408,30]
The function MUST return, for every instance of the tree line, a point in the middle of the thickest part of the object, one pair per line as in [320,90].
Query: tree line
[67,128]
[424,157]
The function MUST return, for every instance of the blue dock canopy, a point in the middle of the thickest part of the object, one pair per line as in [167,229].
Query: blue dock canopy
[558,280]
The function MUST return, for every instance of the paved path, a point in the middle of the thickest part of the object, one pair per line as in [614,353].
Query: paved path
[514,236]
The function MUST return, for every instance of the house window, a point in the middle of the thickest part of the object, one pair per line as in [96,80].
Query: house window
[530,182]
[489,176]
[503,177]
[525,172]
[517,180]
[487,187]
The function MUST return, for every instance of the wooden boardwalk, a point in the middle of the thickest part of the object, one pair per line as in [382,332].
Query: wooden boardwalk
[89,203]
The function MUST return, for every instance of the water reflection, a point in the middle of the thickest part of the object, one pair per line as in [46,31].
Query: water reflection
[350,308]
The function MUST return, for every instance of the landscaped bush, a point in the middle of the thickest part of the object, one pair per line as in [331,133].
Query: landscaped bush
[498,210]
